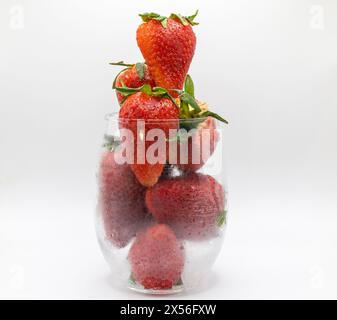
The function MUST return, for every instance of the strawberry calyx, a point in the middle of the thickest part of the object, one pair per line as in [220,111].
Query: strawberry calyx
[187,104]
[189,107]
[147,16]
[140,68]
[147,89]
[185,20]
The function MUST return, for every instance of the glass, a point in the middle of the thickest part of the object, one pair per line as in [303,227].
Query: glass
[162,201]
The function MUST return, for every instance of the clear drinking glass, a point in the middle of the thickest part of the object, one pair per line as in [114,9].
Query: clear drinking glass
[162,201]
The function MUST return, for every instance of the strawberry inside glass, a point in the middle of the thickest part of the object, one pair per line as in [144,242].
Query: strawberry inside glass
[162,204]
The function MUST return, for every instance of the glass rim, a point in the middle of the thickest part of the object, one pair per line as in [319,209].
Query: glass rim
[114,116]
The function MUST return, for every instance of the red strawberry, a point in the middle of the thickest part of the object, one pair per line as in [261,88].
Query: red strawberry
[121,200]
[133,77]
[157,258]
[168,46]
[190,204]
[203,140]
[157,113]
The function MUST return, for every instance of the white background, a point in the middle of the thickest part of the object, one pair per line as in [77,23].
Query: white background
[269,66]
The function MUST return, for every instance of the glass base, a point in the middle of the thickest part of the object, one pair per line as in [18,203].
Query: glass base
[138,288]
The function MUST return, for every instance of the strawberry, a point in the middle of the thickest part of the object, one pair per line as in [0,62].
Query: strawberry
[200,145]
[121,200]
[168,46]
[192,205]
[158,112]
[134,76]
[156,258]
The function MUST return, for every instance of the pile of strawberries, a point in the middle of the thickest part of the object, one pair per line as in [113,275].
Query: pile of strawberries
[144,200]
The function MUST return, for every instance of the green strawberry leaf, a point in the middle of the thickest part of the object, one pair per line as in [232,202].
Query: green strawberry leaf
[189,85]
[126,91]
[147,16]
[163,21]
[189,125]
[121,63]
[111,142]
[214,115]
[187,98]
[184,110]
[221,219]
[185,20]
[191,18]
[159,91]
[146,88]
[140,68]
[178,16]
